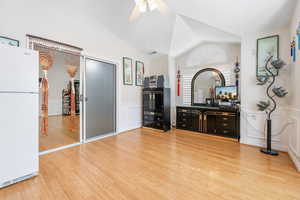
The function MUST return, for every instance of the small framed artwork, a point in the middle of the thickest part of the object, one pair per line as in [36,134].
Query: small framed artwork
[139,73]
[127,71]
[266,47]
[9,41]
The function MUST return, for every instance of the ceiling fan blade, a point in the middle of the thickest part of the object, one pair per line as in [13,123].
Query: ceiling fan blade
[161,6]
[134,14]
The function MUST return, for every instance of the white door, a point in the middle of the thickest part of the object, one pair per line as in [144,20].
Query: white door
[19,135]
[19,70]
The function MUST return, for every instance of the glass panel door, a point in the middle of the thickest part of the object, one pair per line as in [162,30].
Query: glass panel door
[100,98]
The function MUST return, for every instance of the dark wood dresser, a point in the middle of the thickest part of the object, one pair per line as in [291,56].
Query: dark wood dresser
[219,121]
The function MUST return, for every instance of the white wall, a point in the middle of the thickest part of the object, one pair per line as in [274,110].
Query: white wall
[157,66]
[294,97]
[253,121]
[221,56]
[74,22]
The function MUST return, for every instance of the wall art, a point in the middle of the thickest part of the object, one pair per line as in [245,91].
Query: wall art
[266,47]
[139,73]
[9,41]
[127,71]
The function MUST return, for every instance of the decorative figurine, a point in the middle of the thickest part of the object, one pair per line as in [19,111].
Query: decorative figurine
[237,72]
[178,83]
[46,63]
[72,70]
[293,50]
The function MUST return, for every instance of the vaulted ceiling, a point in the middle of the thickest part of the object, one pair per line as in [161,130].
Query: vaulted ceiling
[187,24]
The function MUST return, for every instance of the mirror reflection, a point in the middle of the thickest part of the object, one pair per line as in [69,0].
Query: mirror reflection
[204,84]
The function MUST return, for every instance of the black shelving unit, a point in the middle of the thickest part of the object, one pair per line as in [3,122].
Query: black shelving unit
[77,96]
[66,99]
[66,102]
[156,108]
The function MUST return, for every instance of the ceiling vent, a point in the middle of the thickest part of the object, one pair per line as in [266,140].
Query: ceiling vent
[153,53]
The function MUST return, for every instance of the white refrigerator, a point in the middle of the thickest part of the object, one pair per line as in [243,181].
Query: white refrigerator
[19,114]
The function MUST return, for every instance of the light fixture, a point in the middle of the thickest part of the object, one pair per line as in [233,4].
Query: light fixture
[146,5]
[143,6]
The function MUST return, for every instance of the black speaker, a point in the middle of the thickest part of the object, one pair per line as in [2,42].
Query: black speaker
[146,82]
[160,83]
[155,81]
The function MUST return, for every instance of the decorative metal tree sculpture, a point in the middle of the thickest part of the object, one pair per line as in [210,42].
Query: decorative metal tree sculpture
[46,62]
[267,106]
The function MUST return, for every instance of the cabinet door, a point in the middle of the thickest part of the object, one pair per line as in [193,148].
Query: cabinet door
[158,101]
[196,120]
[147,101]
[211,124]
[148,120]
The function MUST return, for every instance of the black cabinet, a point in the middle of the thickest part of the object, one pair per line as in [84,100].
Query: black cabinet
[210,120]
[156,108]
[189,119]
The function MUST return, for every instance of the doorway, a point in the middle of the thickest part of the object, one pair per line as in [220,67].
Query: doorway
[59,103]
[100,99]
[78,96]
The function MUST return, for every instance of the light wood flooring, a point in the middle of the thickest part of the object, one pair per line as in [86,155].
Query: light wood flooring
[144,164]
[60,132]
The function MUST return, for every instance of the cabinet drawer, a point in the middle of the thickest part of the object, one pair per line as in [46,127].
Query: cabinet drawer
[184,115]
[225,132]
[225,118]
[226,125]
[183,125]
[182,110]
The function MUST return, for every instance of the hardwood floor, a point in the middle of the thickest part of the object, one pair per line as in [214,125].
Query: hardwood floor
[144,164]
[60,133]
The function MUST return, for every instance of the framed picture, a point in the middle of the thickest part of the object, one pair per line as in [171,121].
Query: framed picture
[139,73]
[127,71]
[266,47]
[9,41]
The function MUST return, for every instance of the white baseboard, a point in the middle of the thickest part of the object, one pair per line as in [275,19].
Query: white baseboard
[262,143]
[294,158]
[256,143]
[129,128]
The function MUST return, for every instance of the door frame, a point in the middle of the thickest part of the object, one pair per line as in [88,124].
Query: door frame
[81,111]
[83,140]
[84,96]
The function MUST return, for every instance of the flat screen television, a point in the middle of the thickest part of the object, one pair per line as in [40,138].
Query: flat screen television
[226,93]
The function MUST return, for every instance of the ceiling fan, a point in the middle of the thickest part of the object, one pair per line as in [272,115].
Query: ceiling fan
[143,6]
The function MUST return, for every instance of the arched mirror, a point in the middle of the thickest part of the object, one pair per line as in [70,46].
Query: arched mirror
[204,83]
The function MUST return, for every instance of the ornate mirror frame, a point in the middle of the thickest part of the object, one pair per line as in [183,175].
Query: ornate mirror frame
[205,70]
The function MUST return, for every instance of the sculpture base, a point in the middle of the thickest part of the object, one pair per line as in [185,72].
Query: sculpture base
[269,152]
